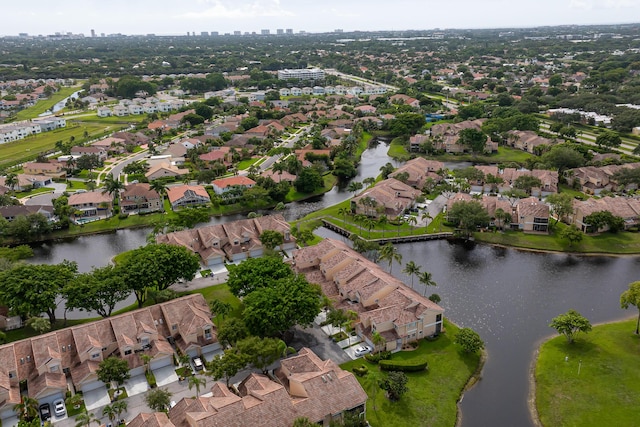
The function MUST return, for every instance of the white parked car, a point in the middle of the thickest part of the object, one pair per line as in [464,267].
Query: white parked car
[59,408]
[361,350]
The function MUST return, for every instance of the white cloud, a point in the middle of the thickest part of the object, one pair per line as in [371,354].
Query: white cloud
[254,9]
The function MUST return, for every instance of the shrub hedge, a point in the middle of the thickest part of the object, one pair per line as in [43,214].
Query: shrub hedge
[412,365]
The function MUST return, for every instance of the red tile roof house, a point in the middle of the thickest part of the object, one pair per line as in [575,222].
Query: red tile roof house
[92,205]
[420,170]
[224,185]
[140,198]
[187,195]
[52,363]
[303,386]
[221,155]
[384,304]
[389,197]
[232,241]
[624,207]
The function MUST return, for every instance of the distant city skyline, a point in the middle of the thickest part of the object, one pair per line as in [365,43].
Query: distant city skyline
[166,17]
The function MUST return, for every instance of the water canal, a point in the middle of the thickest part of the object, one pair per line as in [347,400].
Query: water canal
[508,296]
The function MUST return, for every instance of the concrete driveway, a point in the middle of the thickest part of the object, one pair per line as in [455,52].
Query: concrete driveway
[10,421]
[165,375]
[136,385]
[96,398]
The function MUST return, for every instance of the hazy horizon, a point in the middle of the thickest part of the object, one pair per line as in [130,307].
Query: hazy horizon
[168,17]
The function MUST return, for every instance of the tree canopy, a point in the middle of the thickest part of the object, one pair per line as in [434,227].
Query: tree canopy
[468,216]
[29,290]
[271,311]
[255,273]
[570,324]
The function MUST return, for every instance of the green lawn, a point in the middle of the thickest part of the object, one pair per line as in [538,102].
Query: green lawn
[94,119]
[329,181]
[433,394]
[27,149]
[222,293]
[397,150]
[604,393]
[607,243]
[45,104]
[246,163]
[34,192]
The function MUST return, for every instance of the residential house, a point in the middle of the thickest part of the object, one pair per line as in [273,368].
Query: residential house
[224,185]
[165,169]
[50,364]
[445,136]
[104,112]
[187,195]
[52,169]
[419,171]
[389,197]
[527,140]
[624,207]
[140,198]
[303,386]
[233,241]
[218,154]
[100,152]
[416,141]
[383,303]
[279,176]
[11,212]
[91,205]
[27,182]
[532,215]
[593,180]
[404,99]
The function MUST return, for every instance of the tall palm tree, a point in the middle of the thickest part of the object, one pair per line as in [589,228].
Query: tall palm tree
[197,382]
[412,220]
[113,186]
[427,280]
[86,418]
[120,406]
[354,187]
[159,187]
[27,409]
[426,216]
[359,219]
[344,212]
[412,269]
[109,412]
[383,220]
[390,254]
[11,180]
[370,223]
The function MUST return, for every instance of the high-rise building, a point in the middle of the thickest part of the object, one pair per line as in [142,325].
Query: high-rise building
[237,33]
[93,33]
[265,32]
[204,33]
[214,33]
[280,31]
[289,31]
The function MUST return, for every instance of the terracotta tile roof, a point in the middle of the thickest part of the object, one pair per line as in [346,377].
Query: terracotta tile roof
[90,197]
[157,419]
[393,195]
[233,181]
[318,390]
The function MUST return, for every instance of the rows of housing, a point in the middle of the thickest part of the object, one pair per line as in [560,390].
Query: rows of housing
[303,386]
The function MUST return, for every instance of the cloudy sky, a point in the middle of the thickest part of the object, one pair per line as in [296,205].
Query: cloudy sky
[180,16]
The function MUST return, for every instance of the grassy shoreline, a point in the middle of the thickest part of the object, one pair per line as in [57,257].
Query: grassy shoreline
[433,394]
[597,383]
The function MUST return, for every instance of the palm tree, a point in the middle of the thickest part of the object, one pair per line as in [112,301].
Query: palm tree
[354,187]
[370,223]
[390,253]
[86,418]
[11,181]
[120,406]
[412,220]
[344,212]
[359,219]
[412,269]
[425,216]
[159,187]
[197,382]
[383,220]
[27,409]
[399,222]
[146,359]
[109,412]
[112,185]
[378,341]
[427,280]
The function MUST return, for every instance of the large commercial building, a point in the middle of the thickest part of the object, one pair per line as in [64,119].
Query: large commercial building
[301,74]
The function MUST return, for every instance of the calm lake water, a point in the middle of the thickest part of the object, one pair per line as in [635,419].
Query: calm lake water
[508,296]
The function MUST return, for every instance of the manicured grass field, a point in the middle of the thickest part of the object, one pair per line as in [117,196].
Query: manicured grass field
[93,118]
[433,394]
[504,155]
[45,104]
[605,391]
[245,164]
[28,149]
[619,243]
[222,293]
